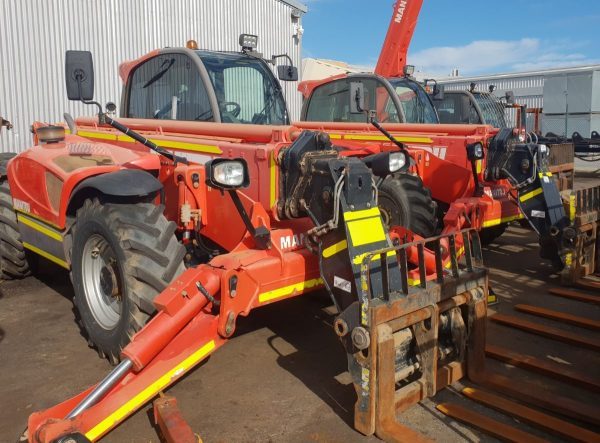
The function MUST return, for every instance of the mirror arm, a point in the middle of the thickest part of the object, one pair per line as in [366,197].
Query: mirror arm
[89,102]
[275,57]
[384,131]
[143,140]
[103,119]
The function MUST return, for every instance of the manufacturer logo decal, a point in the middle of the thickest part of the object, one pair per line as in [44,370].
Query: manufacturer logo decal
[295,241]
[400,11]
[20,205]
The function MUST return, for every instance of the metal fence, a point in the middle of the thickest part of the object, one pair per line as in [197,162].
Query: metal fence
[34,35]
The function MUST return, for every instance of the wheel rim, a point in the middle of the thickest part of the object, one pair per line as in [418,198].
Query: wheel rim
[101,281]
[388,210]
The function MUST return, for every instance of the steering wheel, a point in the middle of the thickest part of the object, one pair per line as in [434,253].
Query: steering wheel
[234,112]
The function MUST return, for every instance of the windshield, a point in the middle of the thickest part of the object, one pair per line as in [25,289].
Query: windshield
[246,89]
[415,102]
[492,109]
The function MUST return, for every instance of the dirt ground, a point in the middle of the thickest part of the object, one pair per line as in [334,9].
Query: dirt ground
[283,377]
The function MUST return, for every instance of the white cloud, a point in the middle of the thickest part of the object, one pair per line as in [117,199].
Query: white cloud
[484,56]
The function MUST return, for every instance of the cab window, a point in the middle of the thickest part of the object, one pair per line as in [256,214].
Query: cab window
[456,108]
[331,102]
[415,102]
[168,87]
[246,90]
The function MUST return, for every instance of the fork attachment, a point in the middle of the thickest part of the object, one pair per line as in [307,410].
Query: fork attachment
[415,340]
[408,328]
[583,207]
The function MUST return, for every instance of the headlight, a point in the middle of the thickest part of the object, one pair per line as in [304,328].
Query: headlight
[227,174]
[475,151]
[386,163]
[397,161]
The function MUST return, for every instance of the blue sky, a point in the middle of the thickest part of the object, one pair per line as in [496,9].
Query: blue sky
[474,36]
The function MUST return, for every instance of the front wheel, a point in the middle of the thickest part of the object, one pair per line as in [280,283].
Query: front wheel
[123,256]
[405,201]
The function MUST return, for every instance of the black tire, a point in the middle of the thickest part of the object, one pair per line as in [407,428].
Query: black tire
[13,257]
[488,235]
[139,256]
[405,201]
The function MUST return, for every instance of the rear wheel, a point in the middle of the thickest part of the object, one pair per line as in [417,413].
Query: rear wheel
[13,257]
[123,256]
[405,201]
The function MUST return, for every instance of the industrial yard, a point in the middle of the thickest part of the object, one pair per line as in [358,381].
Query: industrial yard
[224,222]
[286,349]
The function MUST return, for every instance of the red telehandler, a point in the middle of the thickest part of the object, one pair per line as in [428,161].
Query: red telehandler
[257,213]
[410,318]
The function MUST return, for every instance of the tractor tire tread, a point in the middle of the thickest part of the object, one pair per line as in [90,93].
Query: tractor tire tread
[152,258]
[417,199]
[13,257]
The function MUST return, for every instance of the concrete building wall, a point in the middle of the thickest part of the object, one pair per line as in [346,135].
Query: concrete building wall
[34,35]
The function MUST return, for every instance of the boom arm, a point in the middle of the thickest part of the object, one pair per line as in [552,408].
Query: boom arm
[395,47]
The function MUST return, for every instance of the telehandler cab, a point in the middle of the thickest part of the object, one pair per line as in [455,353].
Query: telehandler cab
[410,318]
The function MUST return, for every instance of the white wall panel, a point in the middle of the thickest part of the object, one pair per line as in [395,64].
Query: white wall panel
[34,35]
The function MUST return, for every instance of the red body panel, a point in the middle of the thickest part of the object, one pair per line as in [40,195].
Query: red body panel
[27,173]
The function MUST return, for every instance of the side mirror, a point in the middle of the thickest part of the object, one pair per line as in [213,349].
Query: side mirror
[438,93]
[79,75]
[357,98]
[510,97]
[287,73]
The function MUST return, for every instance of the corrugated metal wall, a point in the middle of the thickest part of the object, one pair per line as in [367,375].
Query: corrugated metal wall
[529,89]
[34,35]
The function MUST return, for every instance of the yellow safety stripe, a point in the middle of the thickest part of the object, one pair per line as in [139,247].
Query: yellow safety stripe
[196,147]
[44,230]
[100,135]
[357,260]
[289,290]
[478,166]
[47,255]
[497,221]
[184,146]
[272,172]
[572,208]
[367,137]
[355,215]
[568,259]
[334,249]
[153,389]
[531,194]
[545,174]
[30,215]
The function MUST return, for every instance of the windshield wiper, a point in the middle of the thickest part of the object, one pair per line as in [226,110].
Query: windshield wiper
[160,73]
